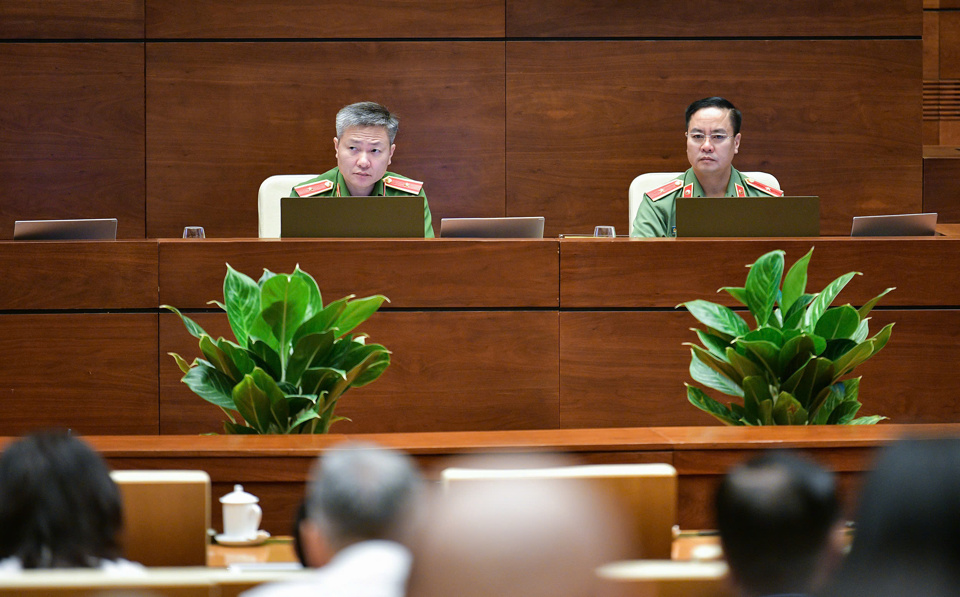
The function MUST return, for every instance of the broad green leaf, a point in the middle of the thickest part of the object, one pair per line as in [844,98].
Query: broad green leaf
[788,411]
[237,429]
[766,412]
[266,358]
[766,334]
[881,339]
[195,330]
[357,311]
[219,304]
[284,299]
[805,385]
[796,353]
[373,370]
[838,348]
[210,384]
[315,300]
[181,362]
[717,317]
[793,318]
[303,417]
[820,304]
[218,359]
[319,379]
[241,297]
[755,390]
[267,274]
[307,349]
[853,358]
[851,388]
[834,396]
[871,420]
[839,322]
[844,413]
[739,294]
[279,407]
[252,404]
[869,305]
[260,330]
[721,366]
[699,398]
[715,344]
[745,366]
[241,357]
[704,374]
[763,284]
[352,374]
[795,282]
[763,353]
[323,321]
[863,330]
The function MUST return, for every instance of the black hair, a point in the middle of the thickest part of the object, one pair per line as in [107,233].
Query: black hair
[59,508]
[716,102]
[775,514]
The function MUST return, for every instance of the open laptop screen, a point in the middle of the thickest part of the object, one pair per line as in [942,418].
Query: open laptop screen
[895,225]
[510,227]
[89,229]
[748,216]
[351,217]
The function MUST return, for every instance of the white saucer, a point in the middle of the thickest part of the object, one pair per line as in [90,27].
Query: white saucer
[229,541]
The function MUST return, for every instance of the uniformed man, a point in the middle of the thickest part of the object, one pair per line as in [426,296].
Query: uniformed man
[364,147]
[713,138]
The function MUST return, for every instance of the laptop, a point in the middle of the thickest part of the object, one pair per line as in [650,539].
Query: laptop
[895,225]
[748,216]
[351,217]
[512,227]
[90,229]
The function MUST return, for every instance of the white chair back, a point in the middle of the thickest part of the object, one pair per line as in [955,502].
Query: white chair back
[651,180]
[268,201]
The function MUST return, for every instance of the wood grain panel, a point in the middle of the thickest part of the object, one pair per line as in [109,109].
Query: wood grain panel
[324,19]
[941,185]
[78,275]
[93,373]
[667,272]
[949,44]
[223,117]
[70,19]
[628,369]
[411,273]
[449,371]
[608,111]
[72,133]
[711,18]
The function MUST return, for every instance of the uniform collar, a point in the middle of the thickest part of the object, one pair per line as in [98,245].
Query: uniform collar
[341,190]
[735,179]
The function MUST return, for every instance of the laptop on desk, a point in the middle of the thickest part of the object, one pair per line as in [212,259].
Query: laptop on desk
[748,216]
[351,217]
[895,225]
[86,229]
[509,227]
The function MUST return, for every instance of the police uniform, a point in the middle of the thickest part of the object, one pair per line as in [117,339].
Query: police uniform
[657,215]
[331,184]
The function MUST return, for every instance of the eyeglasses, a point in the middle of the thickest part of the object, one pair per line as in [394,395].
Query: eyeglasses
[700,138]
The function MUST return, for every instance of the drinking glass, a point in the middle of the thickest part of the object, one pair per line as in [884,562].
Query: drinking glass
[193,232]
[604,232]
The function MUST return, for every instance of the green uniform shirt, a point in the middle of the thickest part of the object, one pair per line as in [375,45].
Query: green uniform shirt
[339,189]
[659,217]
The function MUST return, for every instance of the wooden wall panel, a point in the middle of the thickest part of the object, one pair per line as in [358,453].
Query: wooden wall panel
[71,19]
[628,369]
[450,371]
[72,133]
[667,272]
[338,19]
[711,18]
[941,183]
[78,275]
[605,112]
[411,273]
[222,117]
[93,373]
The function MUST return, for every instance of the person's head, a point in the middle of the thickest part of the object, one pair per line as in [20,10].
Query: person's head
[907,539]
[713,135]
[777,514]
[358,492]
[58,506]
[364,144]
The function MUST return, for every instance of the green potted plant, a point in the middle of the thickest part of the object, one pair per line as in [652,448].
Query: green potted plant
[293,357]
[789,369]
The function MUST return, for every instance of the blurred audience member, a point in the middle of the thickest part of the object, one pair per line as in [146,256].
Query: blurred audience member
[515,538]
[58,506]
[907,539]
[778,517]
[361,506]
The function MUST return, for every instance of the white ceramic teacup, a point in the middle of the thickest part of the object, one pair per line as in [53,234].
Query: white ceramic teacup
[241,514]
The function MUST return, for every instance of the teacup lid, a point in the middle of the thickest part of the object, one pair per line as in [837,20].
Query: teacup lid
[239,496]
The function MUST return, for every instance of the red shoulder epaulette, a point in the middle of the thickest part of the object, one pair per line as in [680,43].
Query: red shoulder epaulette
[661,192]
[403,184]
[688,190]
[313,188]
[763,187]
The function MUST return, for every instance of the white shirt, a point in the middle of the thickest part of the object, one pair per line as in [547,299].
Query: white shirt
[365,569]
[118,566]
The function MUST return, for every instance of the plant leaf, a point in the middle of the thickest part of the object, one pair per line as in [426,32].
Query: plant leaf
[314,299]
[252,404]
[181,362]
[788,411]
[238,429]
[835,395]
[794,316]
[853,358]
[195,330]
[764,353]
[839,322]
[812,315]
[706,375]
[838,348]
[745,366]
[323,321]
[795,282]
[717,317]
[211,385]
[722,367]
[358,311]
[882,337]
[699,398]
[871,420]
[763,285]
[308,349]
[739,294]
[284,300]
[715,344]
[317,380]
[241,297]
[266,358]
[755,390]
[766,334]
[218,359]
[242,358]
[869,305]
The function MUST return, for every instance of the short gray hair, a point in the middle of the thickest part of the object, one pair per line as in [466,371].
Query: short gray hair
[367,114]
[359,491]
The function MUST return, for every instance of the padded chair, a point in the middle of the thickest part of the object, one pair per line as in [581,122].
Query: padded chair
[166,515]
[651,180]
[647,492]
[268,200]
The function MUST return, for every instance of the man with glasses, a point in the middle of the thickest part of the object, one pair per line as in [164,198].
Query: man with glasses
[713,138]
